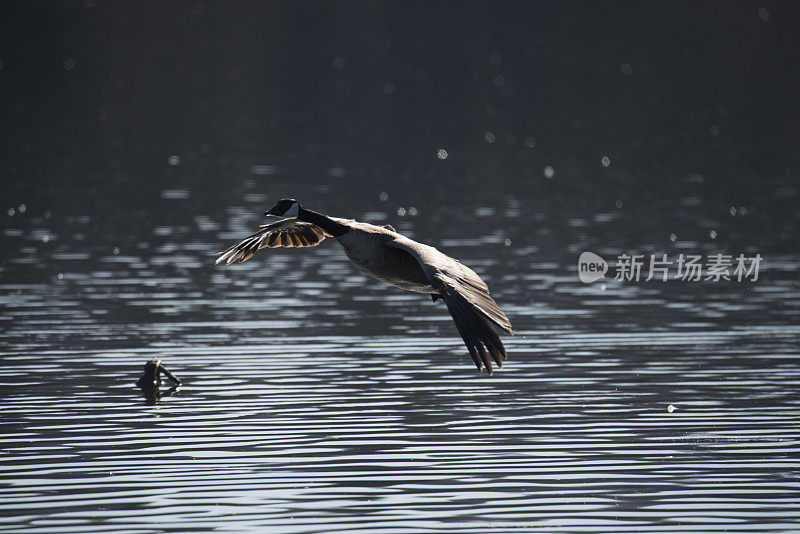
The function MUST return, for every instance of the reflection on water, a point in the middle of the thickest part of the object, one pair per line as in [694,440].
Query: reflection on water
[361,432]
[314,396]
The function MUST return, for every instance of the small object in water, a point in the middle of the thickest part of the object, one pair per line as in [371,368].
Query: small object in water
[152,370]
[671,408]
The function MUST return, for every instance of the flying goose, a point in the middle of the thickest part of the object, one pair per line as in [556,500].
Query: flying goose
[383,253]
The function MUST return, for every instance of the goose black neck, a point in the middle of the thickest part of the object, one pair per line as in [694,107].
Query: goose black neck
[329,225]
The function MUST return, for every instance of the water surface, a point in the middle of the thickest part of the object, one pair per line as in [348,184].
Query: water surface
[314,398]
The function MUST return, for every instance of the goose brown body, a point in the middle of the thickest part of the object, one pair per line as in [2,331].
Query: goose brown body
[391,257]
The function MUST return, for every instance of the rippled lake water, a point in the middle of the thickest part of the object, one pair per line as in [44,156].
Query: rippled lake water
[138,141]
[315,398]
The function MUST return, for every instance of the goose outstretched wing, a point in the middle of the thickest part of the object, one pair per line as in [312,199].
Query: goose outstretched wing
[468,300]
[285,233]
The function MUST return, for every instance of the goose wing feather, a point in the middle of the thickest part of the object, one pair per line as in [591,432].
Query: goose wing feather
[285,233]
[468,301]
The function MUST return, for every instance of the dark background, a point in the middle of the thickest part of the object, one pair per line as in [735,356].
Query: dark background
[340,101]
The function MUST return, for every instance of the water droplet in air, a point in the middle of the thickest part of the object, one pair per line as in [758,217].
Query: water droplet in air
[60,276]
[605,161]
[671,408]
[116,251]
[763,14]
[549,172]
[389,88]
[11,212]
[383,196]
[46,239]
[338,63]
[489,137]
[507,242]
[732,211]
[673,237]
[618,204]
[337,171]
[401,211]
[412,211]
[441,153]
[495,59]
[626,69]
[174,160]
[530,142]
[713,234]
[22,208]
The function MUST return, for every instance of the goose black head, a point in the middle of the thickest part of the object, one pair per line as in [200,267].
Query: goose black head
[288,207]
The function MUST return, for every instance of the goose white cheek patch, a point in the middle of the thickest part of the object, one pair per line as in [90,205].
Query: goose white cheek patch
[294,211]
